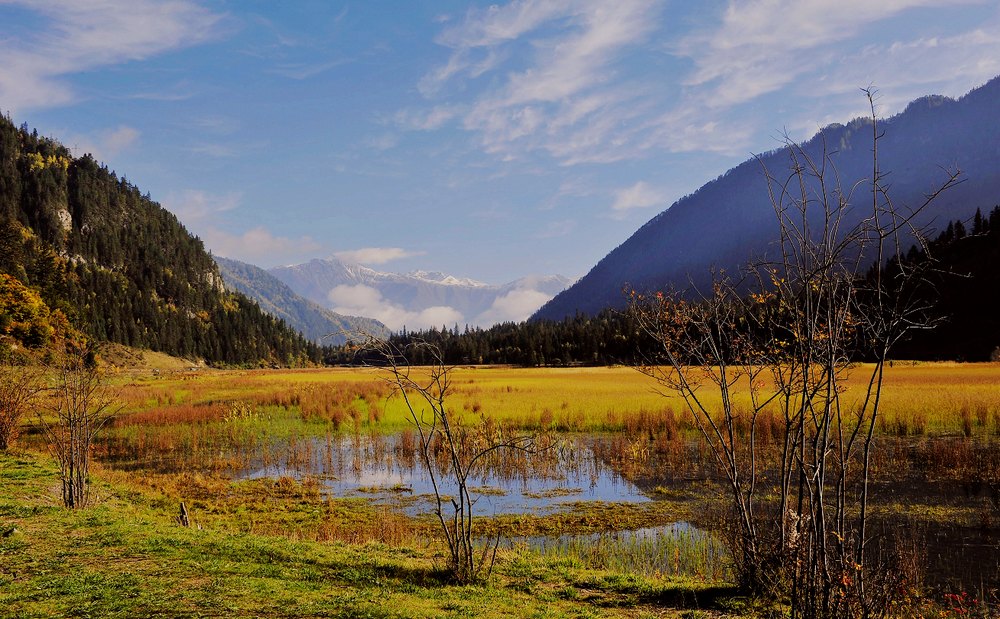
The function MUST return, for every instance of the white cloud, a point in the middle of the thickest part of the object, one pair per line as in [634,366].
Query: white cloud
[203,213]
[221,151]
[758,46]
[80,35]
[515,306]
[382,142]
[903,71]
[259,246]
[219,125]
[361,300]
[105,144]
[193,206]
[358,296]
[304,71]
[555,76]
[376,255]
[691,127]
[426,120]
[640,195]
[120,138]
[569,101]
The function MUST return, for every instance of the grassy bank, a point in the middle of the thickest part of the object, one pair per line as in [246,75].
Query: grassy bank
[126,556]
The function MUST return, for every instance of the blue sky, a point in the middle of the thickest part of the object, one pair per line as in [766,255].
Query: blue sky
[489,141]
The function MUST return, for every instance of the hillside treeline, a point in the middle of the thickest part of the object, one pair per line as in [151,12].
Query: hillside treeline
[963,287]
[118,266]
[610,338]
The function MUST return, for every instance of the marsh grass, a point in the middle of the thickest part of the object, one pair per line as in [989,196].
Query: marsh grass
[677,550]
[920,399]
[258,553]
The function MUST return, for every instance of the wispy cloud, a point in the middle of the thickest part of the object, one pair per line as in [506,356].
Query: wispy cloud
[758,46]
[193,206]
[204,213]
[904,70]
[382,141]
[165,96]
[554,77]
[80,35]
[220,151]
[639,195]
[426,120]
[304,71]
[105,144]
[220,125]
[555,229]
[259,246]
[569,101]
[376,255]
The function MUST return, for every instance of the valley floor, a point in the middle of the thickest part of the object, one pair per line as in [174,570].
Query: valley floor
[127,556]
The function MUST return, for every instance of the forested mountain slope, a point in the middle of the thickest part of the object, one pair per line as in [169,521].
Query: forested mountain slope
[964,291]
[118,265]
[730,220]
[960,286]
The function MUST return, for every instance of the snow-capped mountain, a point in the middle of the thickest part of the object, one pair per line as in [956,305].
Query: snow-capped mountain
[437,277]
[310,319]
[418,299]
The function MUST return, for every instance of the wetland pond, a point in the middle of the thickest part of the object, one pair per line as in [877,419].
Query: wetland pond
[937,496]
[385,469]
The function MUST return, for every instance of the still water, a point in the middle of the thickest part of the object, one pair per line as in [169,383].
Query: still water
[376,467]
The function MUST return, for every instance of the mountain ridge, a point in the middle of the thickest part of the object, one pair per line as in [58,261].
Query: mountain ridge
[417,299]
[729,220]
[313,321]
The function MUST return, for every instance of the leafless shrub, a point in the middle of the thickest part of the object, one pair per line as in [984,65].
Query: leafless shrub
[79,405]
[448,450]
[776,346]
[20,387]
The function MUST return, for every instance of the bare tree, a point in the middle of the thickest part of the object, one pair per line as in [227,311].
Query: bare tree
[782,343]
[19,390]
[79,405]
[449,450]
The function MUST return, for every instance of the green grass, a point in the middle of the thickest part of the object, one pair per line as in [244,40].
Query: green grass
[126,556]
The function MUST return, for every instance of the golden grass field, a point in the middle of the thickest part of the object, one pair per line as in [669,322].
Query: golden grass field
[918,399]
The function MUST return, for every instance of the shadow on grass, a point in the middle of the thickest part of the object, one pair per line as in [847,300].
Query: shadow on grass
[679,596]
[417,576]
[708,597]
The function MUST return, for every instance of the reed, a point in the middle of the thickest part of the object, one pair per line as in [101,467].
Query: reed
[675,551]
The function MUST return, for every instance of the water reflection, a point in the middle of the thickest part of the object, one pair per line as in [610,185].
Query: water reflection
[379,467]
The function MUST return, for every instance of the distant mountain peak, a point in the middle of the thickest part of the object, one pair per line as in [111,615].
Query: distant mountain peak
[418,299]
[312,320]
[438,277]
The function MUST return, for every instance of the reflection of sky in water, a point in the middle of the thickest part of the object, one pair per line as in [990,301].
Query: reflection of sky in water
[348,467]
